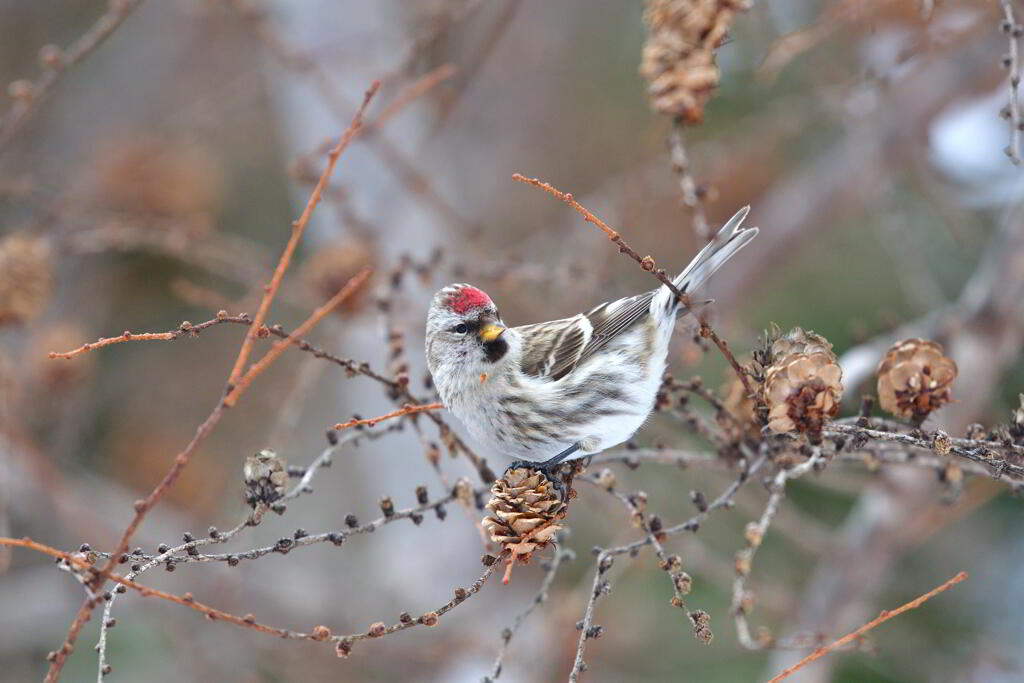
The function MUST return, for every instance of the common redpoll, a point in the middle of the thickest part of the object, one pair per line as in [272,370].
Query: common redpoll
[565,388]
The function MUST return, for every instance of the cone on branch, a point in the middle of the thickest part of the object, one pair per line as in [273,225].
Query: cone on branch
[802,383]
[678,59]
[25,277]
[144,177]
[525,509]
[914,379]
[266,475]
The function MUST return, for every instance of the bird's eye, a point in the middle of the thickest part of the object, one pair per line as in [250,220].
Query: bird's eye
[462,328]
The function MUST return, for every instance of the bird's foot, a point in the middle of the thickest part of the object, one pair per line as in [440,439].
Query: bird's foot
[552,468]
[550,471]
[522,464]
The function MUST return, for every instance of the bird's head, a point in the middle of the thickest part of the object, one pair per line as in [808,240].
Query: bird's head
[464,330]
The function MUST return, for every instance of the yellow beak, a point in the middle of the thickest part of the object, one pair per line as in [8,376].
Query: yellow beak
[490,332]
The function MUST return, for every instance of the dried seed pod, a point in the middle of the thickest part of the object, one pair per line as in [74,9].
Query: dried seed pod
[702,626]
[266,474]
[525,508]
[803,384]
[679,55]
[25,276]
[915,378]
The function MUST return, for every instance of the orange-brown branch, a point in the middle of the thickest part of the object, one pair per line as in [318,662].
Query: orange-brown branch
[298,227]
[107,341]
[407,409]
[185,600]
[409,94]
[570,200]
[185,329]
[882,618]
[350,288]
[182,459]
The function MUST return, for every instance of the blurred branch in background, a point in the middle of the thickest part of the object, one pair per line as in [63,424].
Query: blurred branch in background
[868,138]
[28,94]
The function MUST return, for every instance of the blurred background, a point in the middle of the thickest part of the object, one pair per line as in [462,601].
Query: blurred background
[155,182]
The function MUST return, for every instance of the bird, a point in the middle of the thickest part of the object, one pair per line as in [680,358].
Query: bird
[568,388]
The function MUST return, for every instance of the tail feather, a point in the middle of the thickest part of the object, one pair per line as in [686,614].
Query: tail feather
[729,240]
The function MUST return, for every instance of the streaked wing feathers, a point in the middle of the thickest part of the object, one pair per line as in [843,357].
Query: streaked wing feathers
[553,349]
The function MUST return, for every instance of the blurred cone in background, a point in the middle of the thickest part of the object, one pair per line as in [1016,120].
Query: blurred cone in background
[914,379]
[149,177]
[25,277]
[329,268]
[679,55]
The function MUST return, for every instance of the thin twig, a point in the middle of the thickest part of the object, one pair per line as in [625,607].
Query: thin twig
[982,452]
[187,329]
[403,99]
[298,227]
[671,565]
[604,557]
[754,536]
[316,634]
[279,347]
[408,409]
[882,618]
[377,630]
[538,599]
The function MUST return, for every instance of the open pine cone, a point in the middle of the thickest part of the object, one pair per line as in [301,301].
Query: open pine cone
[803,384]
[525,508]
[915,378]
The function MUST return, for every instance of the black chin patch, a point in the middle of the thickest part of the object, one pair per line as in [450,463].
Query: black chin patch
[495,350]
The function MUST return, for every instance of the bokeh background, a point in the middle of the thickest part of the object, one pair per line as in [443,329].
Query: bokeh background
[157,182]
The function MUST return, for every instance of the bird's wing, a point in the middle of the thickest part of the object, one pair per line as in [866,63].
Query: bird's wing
[553,349]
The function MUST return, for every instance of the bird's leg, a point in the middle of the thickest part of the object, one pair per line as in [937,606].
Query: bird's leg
[549,467]
[550,464]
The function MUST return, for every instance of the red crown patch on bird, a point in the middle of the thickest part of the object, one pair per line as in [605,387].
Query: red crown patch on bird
[467,298]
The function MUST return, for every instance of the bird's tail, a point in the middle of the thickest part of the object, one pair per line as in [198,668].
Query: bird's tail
[729,240]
